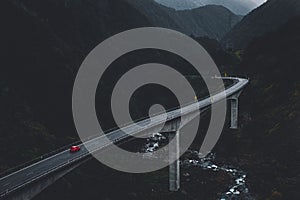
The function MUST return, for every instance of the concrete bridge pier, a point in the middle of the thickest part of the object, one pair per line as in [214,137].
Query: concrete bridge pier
[174,168]
[171,129]
[234,100]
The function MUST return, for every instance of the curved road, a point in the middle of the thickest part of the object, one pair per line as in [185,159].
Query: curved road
[64,158]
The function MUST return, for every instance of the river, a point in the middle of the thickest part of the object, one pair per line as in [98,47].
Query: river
[238,190]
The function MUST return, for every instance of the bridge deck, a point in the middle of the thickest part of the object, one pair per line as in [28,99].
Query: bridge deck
[64,158]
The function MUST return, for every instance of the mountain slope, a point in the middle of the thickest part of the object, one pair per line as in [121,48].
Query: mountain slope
[42,45]
[270,118]
[237,6]
[264,19]
[211,21]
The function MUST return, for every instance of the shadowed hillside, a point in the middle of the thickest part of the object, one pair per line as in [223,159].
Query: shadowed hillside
[43,44]
[268,141]
[264,19]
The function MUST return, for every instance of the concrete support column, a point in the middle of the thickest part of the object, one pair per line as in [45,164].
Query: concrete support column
[234,101]
[174,168]
[234,113]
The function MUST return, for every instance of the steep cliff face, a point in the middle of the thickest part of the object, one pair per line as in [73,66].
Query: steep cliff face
[266,18]
[211,21]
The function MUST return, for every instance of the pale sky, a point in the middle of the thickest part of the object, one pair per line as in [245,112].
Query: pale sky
[258,2]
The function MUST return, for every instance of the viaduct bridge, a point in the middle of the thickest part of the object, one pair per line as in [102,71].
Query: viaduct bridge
[27,182]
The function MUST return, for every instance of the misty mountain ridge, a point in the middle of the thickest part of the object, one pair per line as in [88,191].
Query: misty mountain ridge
[239,7]
[212,21]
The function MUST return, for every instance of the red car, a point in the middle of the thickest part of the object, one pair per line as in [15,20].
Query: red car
[74,149]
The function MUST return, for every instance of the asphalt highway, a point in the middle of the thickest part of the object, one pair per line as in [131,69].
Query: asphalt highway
[64,158]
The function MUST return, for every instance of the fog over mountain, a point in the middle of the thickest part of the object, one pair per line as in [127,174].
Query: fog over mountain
[240,7]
